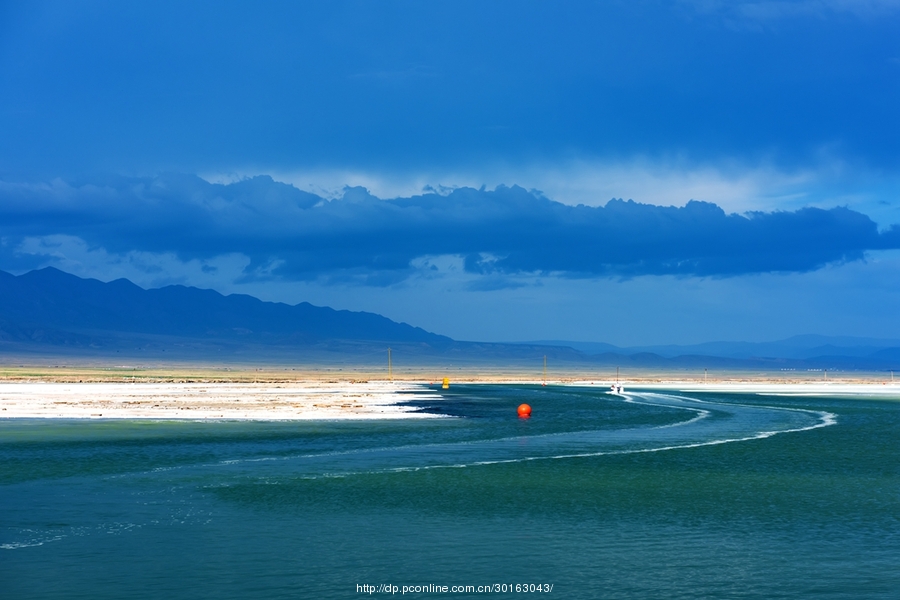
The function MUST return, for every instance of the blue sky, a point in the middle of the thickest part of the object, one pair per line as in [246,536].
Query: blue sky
[630,172]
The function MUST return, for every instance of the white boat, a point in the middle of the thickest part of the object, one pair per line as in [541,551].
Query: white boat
[617,388]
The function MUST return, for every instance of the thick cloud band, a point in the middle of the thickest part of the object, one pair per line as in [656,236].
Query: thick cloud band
[506,231]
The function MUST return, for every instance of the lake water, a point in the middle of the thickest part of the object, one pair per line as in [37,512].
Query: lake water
[650,495]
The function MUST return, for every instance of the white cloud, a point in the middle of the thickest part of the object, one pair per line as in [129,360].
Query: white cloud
[735,186]
[146,269]
[857,298]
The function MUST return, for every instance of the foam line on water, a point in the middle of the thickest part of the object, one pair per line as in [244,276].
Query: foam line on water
[829,418]
[701,414]
[499,446]
[826,419]
[740,422]
[697,431]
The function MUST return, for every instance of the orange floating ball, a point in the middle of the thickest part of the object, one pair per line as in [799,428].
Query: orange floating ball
[524,411]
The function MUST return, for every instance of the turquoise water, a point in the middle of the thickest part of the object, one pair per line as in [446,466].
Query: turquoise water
[652,495]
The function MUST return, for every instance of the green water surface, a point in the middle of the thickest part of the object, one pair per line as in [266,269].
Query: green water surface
[130,509]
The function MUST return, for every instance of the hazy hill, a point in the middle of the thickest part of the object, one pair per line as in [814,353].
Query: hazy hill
[51,313]
[52,307]
[798,347]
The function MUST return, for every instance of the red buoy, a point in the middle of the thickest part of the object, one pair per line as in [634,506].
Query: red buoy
[524,411]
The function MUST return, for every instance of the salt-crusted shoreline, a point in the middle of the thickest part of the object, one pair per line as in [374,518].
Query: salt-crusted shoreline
[256,401]
[306,400]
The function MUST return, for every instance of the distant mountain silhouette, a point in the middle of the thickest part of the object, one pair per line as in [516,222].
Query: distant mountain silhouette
[51,313]
[799,347]
[52,307]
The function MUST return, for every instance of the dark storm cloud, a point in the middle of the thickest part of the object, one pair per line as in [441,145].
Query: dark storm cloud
[501,232]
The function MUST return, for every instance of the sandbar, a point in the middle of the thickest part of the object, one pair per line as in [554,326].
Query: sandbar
[253,401]
[300,399]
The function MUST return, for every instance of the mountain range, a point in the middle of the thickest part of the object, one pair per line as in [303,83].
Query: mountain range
[800,347]
[48,312]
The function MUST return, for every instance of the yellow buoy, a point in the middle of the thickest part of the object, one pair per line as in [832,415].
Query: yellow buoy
[446,384]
